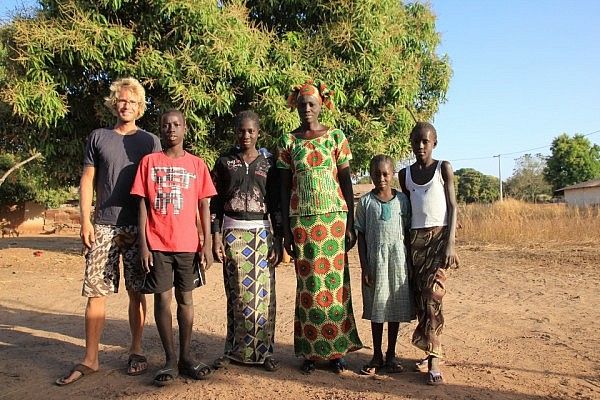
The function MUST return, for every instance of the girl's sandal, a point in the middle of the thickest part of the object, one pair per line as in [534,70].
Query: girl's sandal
[308,367]
[393,365]
[271,364]
[370,369]
[423,364]
[338,365]
[221,362]
[435,378]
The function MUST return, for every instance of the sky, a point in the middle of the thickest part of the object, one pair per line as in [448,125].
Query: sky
[524,71]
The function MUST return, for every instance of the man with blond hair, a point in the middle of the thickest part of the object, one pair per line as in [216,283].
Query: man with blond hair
[110,162]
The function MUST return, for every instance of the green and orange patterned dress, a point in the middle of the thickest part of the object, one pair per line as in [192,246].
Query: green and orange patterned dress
[324,326]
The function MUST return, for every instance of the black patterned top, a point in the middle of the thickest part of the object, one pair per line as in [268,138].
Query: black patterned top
[245,191]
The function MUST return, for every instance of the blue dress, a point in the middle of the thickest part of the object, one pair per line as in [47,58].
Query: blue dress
[383,225]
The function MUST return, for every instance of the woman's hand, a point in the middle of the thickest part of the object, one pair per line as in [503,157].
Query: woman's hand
[218,250]
[276,253]
[367,277]
[350,239]
[288,243]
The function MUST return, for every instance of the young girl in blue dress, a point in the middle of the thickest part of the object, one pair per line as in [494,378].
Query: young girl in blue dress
[383,222]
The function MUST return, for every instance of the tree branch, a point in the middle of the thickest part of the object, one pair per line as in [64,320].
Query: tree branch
[17,166]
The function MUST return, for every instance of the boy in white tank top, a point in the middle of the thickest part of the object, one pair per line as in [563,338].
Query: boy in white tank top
[429,185]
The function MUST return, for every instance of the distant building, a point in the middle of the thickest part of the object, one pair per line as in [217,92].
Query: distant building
[582,194]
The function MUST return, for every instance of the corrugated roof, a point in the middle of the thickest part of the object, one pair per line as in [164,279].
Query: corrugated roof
[587,184]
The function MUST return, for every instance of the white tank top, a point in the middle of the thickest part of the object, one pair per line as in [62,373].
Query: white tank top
[428,201]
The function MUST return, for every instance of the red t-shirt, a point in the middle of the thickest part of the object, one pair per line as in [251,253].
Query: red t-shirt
[173,187]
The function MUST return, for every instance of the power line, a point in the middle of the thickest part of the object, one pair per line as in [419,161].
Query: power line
[469,159]
[515,152]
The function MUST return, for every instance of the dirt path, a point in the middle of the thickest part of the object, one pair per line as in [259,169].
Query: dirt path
[520,325]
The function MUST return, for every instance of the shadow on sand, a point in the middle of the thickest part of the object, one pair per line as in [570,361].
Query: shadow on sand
[36,347]
[61,244]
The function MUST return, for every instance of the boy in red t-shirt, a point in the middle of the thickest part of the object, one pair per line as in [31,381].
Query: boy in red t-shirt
[173,186]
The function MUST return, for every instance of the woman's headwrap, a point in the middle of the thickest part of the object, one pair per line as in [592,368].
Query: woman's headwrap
[309,88]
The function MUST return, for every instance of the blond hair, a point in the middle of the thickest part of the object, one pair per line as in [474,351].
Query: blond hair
[135,87]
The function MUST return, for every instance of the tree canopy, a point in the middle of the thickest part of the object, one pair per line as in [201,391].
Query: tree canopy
[527,181]
[572,160]
[475,187]
[212,59]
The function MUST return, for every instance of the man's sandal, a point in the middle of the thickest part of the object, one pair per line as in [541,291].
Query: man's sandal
[83,370]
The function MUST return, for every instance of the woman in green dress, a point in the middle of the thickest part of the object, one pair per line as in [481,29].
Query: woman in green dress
[318,223]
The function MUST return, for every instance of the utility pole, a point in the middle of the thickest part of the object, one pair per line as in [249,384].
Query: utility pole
[499,175]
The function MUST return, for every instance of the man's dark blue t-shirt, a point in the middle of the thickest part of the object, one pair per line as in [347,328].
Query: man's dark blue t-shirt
[116,158]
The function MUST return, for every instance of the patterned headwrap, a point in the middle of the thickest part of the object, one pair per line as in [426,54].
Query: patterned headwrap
[320,92]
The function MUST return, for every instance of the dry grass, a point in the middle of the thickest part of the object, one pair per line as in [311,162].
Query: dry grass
[517,223]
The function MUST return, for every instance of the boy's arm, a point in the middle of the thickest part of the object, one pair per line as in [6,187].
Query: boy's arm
[448,175]
[216,215]
[145,254]
[206,252]
[402,181]
[346,186]
[86,194]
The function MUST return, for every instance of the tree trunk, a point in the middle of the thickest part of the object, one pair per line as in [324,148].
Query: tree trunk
[17,166]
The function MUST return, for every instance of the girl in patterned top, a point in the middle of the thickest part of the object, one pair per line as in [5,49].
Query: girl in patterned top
[247,240]
[318,225]
[383,222]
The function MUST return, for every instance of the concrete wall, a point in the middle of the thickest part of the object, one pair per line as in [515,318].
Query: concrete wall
[583,196]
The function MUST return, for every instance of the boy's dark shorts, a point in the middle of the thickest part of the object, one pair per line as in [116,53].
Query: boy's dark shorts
[171,269]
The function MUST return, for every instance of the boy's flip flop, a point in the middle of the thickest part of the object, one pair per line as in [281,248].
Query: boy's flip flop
[83,370]
[170,373]
[200,371]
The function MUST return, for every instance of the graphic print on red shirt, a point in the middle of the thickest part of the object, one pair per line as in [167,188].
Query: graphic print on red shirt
[170,182]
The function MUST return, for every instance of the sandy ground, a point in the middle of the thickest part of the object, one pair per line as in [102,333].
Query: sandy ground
[520,325]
